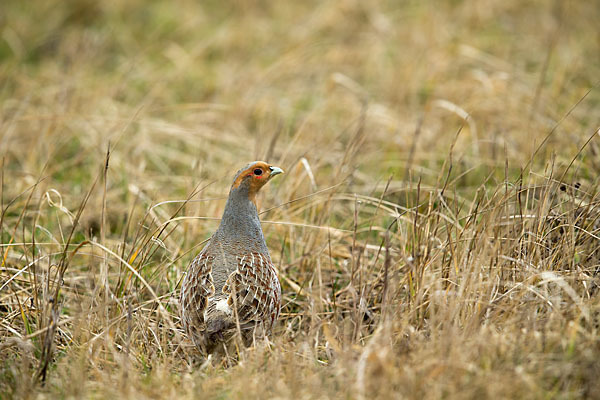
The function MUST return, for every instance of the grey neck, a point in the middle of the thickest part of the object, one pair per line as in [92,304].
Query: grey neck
[240,218]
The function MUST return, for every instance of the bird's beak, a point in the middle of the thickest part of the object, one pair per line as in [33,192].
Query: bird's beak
[275,171]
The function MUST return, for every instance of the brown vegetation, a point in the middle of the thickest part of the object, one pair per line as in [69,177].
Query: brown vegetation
[436,233]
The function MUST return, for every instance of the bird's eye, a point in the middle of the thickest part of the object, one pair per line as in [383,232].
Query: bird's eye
[258,172]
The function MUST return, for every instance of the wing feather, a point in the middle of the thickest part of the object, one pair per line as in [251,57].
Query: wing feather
[254,289]
[196,289]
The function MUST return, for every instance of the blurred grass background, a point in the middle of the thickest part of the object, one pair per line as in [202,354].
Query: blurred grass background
[436,232]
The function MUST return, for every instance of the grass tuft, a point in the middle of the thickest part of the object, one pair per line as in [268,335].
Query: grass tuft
[437,231]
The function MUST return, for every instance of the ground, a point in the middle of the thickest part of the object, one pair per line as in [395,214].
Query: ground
[436,234]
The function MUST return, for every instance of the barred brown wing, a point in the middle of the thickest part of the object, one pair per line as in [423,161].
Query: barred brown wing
[254,290]
[197,287]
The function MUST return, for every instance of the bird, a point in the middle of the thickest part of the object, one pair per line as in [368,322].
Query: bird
[232,286]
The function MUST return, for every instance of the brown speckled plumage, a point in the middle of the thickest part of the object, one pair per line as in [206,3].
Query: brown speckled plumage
[232,284]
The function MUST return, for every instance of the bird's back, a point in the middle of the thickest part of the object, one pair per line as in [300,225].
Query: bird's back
[226,289]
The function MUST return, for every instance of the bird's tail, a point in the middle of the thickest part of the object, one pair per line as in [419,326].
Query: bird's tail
[220,324]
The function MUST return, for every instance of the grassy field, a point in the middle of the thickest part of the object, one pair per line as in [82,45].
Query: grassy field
[437,231]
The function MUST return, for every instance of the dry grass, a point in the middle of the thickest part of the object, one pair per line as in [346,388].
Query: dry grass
[437,231]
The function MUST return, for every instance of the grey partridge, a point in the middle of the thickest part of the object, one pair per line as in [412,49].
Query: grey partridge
[232,285]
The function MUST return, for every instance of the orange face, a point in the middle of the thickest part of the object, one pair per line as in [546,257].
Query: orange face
[258,173]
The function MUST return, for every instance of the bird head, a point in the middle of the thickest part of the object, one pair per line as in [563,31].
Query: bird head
[253,177]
